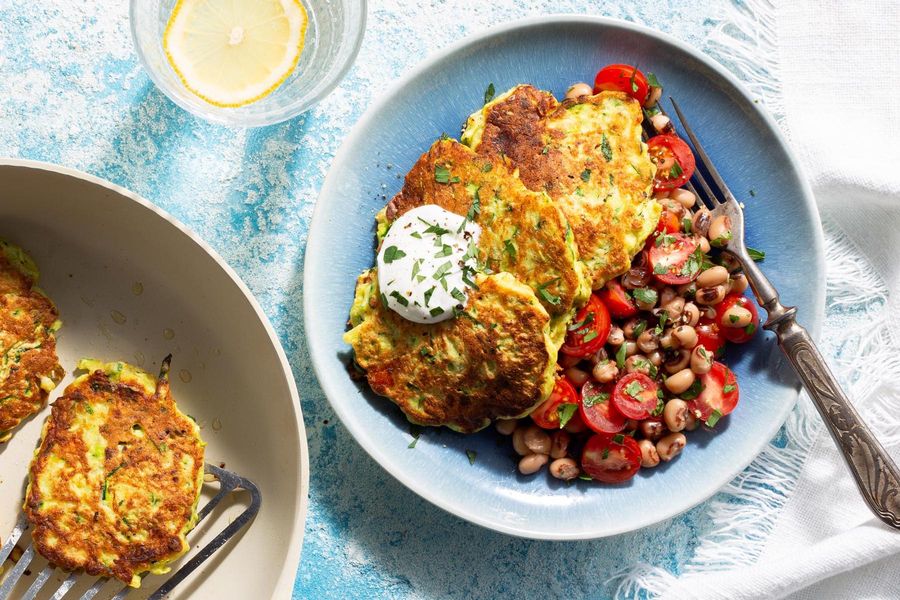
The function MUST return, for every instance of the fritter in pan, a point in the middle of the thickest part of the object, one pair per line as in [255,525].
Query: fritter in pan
[114,484]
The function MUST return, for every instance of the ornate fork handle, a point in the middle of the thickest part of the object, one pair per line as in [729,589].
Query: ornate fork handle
[875,473]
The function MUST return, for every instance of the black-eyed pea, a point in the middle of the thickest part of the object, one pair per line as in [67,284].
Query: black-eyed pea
[720,231]
[712,276]
[653,96]
[606,371]
[638,363]
[686,336]
[649,455]
[687,290]
[566,361]
[564,468]
[671,446]
[532,463]
[648,341]
[661,123]
[674,307]
[739,283]
[652,429]
[679,382]
[667,341]
[578,90]
[737,317]
[701,360]
[676,411]
[686,198]
[518,441]
[709,296]
[630,348]
[655,358]
[506,426]
[616,336]
[629,328]
[678,361]
[559,443]
[729,262]
[690,314]
[703,244]
[701,221]
[691,422]
[577,376]
[666,295]
[537,440]
[598,357]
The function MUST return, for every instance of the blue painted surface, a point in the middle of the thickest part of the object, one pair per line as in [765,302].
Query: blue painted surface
[72,92]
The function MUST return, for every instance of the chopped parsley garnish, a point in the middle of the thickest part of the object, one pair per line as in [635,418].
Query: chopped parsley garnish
[605,148]
[437,310]
[510,248]
[416,266]
[475,209]
[693,391]
[592,399]
[664,239]
[414,432]
[442,270]
[384,303]
[676,171]
[445,250]
[729,388]
[693,264]
[753,193]
[546,295]
[652,80]
[618,438]
[687,225]
[590,336]
[620,356]
[458,295]
[586,175]
[750,329]
[605,456]
[634,86]
[639,328]
[545,149]
[487,167]
[587,320]
[442,175]
[713,418]
[663,317]
[634,389]
[565,412]
[471,454]
[489,93]
[427,295]
[660,406]
[392,253]
[646,295]
[734,318]
[756,255]
[399,298]
[660,268]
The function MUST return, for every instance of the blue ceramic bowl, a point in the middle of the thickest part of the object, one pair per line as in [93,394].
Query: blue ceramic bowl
[552,53]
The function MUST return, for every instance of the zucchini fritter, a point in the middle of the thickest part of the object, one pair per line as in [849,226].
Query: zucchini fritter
[114,485]
[29,368]
[522,232]
[587,154]
[494,360]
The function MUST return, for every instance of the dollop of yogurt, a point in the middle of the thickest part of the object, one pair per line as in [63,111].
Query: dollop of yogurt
[426,265]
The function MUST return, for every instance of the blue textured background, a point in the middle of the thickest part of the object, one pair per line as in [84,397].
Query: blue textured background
[72,92]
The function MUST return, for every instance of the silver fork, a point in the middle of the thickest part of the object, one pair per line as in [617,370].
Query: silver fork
[875,473]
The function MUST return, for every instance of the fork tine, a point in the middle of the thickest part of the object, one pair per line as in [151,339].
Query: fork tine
[38,583]
[704,157]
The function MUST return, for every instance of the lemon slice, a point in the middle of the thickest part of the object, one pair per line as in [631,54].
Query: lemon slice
[234,52]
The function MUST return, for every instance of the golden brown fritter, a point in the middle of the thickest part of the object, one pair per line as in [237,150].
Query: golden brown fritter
[522,232]
[29,367]
[113,487]
[495,360]
[587,154]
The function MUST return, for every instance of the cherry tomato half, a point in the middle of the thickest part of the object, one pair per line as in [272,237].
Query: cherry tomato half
[635,396]
[674,161]
[668,223]
[710,336]
[738,335]
[589,329]
[611,458]
[674,258]
[597,411]
[622,78]
[547,414]
[719,394]
[617,301]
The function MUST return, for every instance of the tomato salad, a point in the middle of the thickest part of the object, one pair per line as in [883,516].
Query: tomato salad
[639,366]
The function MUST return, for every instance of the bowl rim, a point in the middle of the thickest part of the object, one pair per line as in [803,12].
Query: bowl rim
[271,117]
[284,584]
[315,239]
